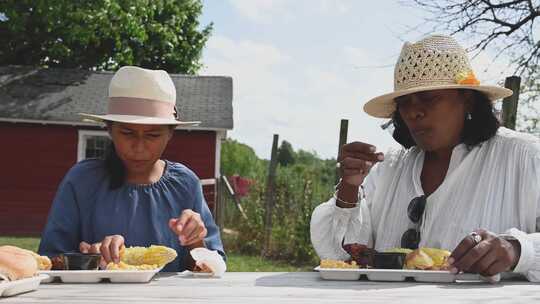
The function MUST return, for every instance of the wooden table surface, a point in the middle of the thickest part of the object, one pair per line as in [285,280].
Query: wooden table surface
[264,287]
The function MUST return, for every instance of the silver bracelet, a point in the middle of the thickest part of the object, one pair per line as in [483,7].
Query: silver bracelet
[344,202]
[361,195]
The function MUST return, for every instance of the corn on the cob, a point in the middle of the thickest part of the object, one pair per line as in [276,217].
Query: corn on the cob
[143,258]
[159,255]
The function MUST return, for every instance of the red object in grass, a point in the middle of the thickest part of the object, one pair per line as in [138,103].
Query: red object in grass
[240,185]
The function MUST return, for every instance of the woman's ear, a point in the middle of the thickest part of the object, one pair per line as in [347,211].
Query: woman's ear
[469,100]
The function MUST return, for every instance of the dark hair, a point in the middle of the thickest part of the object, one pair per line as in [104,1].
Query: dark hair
[114,167]
[482,126]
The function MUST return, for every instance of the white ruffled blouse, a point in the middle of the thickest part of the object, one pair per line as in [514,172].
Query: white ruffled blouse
[494,186]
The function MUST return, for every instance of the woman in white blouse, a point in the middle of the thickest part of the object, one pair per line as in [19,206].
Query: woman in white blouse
[460,183]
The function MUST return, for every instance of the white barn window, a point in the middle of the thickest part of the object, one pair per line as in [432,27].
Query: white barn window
[92,144]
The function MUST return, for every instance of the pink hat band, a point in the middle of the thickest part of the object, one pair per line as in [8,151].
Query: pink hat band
[141,107]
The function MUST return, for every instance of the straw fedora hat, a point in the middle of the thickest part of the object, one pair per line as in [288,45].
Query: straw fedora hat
[433,63]
[141,96]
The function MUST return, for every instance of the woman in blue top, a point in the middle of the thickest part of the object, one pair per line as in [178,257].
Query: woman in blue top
[133,198]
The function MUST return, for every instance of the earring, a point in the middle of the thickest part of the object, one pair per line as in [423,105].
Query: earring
[469,116]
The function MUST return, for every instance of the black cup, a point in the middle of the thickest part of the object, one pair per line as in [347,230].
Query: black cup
[389,260]
[81,261]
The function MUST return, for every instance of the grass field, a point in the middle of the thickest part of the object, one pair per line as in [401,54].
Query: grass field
[235,262]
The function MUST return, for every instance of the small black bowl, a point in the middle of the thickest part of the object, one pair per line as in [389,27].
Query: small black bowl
[389,260]
[81,261]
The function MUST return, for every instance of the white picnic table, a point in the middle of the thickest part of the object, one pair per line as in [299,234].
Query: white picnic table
[293,287]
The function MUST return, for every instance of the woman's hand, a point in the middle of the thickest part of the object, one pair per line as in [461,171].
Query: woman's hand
[189,228]
[109,248]
[355,161]
[488,255]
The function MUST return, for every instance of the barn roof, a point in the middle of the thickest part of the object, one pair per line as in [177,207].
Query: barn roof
[58,95]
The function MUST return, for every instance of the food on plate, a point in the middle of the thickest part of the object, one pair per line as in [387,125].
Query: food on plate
[124,266]
[389,260]
[144,258]
[400,250]
[203,268]
[439,257]
[338,264]
[418,259]
[361,254]
[208,261]
[153,255]
[396,258]
[44,263]
[16,264]
[428,259]
[80,261]
[58,263]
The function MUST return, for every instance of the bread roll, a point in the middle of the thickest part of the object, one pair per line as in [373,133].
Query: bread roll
[16,264]
[418,259]
[44,263]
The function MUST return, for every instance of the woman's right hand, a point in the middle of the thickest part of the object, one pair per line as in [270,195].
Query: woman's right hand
[109,248]
[355,159]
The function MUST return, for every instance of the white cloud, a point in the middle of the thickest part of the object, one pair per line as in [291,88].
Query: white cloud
[275,93]
[272,11]
[262,11]
[258,86]
[490,70]
[250,63]
[333,6]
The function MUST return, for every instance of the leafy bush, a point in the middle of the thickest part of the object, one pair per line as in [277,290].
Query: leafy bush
[300,187]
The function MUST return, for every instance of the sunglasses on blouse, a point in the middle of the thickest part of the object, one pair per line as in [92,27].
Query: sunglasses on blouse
[411,238]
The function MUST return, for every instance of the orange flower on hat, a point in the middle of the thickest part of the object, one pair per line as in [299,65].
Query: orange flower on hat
[467,78]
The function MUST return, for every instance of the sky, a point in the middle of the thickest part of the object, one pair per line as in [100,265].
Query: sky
[300,66]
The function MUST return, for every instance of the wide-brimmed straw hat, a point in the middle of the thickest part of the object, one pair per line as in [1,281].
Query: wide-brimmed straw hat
[433,63]
[141,96]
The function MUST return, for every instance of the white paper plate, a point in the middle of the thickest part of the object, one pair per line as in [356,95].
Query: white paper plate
[96,276]
[20,286]
[394,275]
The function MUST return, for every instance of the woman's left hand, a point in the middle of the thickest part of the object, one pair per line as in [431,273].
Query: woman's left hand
[485,253]
[189,227]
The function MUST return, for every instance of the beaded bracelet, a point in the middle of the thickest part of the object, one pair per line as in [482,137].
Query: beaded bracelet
[361,195]
[344,202]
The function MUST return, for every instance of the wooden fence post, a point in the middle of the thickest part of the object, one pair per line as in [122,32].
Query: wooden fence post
[219,208]
[269,198]
[343,130]
[510,103]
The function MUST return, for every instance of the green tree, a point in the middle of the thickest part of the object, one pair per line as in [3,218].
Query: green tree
[286,155]
[103,34]
[238,158]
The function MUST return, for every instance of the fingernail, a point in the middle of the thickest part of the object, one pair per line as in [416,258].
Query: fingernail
[372,149]
[380,157]
[453,270]
[451,261]
[368,163]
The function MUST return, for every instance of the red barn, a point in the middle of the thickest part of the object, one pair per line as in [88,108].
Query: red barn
[42,135]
